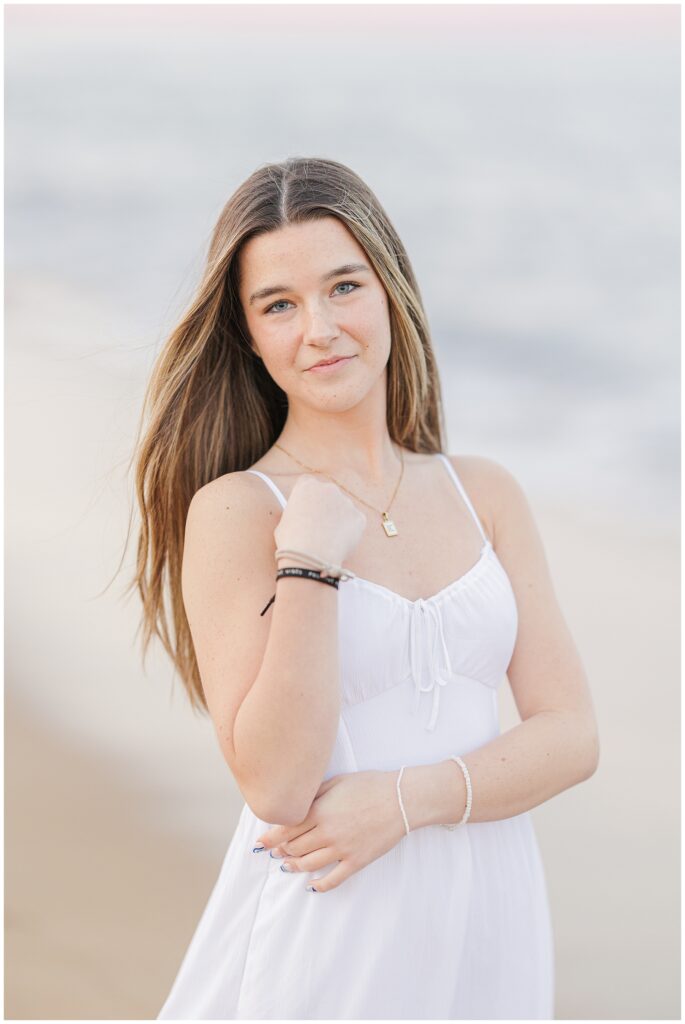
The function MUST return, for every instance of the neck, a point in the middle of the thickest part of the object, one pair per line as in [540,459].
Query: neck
[352,445]
[372,464]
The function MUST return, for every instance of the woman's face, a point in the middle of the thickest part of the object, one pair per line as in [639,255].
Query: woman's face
[309,293]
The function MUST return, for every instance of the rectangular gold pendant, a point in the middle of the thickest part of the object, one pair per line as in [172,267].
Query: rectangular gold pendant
[388,525]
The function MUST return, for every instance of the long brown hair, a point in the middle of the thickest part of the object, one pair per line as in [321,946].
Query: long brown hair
[210,406]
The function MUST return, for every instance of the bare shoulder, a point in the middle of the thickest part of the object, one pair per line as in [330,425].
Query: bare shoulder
[481,470]
[229,547]
[238,491]
[229,525]
[501,502]
[491,487]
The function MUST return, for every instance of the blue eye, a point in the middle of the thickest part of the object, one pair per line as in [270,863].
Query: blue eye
[272,308]
[279,303]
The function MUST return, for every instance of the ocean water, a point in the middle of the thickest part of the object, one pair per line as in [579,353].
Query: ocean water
[531,166]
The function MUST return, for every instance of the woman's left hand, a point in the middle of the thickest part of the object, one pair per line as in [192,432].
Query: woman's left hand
[353,819]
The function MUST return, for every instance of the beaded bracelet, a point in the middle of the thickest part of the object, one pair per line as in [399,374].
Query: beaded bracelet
[467,779]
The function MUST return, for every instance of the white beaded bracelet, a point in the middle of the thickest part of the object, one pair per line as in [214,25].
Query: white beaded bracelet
[467,778]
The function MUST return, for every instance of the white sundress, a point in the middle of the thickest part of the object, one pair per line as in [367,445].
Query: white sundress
[449,924]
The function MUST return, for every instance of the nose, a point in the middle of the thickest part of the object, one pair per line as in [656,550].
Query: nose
[319,327]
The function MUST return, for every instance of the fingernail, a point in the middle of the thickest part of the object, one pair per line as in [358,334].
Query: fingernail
[258,848]
[310,888]
[276,856]
[286,867]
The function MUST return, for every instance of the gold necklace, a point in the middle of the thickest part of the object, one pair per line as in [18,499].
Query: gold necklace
[388,524]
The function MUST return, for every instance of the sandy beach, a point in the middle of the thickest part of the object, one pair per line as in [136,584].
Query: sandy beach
[97,902]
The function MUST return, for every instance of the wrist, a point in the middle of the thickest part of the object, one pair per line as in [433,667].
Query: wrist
[432,794]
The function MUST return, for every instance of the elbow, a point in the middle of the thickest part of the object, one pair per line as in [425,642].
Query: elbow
[283,809]
[590,750]
[287,820]
[280,801]
[594,760]
[263,799]
[275,813]
[582,747]
[274,810]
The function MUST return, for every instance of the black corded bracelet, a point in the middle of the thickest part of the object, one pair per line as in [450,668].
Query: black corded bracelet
[297,570]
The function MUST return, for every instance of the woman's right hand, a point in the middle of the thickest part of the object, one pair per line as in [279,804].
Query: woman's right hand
[321,520]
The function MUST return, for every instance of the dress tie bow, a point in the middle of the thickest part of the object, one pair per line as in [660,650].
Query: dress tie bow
[427,646]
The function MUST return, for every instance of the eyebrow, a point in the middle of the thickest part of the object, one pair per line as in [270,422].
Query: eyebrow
[274,289]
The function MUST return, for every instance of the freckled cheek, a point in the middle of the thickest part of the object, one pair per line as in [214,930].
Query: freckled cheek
[280,351]
[371,329]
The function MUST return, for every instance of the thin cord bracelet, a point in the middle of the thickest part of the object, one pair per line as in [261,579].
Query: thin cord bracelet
[399,797]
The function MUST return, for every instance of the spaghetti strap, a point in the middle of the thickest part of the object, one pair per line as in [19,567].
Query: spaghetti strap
[271,484]
[467,500]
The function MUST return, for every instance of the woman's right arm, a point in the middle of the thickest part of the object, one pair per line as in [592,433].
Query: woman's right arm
[270,682]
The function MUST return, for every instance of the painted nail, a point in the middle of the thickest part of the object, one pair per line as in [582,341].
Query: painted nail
[310,888]
[258,848]
[276,856]
[286,867]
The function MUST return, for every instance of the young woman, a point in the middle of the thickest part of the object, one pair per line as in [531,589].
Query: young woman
[346,600]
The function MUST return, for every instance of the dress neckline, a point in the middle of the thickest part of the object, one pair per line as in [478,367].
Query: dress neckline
[461,581]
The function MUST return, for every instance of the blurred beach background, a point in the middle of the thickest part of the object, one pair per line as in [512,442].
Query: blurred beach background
[529,158]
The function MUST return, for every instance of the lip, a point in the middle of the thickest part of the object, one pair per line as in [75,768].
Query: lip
[330,367]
